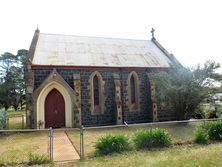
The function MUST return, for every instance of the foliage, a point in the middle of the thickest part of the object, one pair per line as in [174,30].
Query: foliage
[214,129]
[12,77]
[208,110]
[3,117]
[201,136]
[184,89]
[218,110]
[7,61]
[182,132]
[112,143]
[157,137]
[36,159]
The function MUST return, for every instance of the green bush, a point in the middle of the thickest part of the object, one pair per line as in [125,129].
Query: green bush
[36,159]
[218,109]
[201,135]
[214,129]
[112,143]
[3,117]
[157,137]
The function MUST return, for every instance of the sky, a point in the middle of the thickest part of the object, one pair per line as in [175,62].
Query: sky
[189,29]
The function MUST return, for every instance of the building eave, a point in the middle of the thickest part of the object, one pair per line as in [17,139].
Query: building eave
[32,47]
[95,67]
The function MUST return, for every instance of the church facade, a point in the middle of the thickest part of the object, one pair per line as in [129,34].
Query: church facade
[93,81]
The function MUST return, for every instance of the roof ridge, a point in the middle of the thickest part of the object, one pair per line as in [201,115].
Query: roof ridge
[94,37]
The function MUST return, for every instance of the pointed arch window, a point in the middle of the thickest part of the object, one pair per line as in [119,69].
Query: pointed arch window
[133,91]
[96,90]
[97,93]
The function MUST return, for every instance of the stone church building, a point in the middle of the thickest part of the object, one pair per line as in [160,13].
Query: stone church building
[93,81]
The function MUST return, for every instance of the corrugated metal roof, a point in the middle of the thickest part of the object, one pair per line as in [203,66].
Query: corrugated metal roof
[67,50]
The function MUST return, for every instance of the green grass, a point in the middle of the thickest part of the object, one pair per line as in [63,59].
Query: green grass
[181,156]
[12,113]
[16,123]
[180,133]
[16,147]
[38,159]
[15,119]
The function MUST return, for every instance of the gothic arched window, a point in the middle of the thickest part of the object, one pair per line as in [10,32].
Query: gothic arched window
[96,93]
[96,90]
[133,91]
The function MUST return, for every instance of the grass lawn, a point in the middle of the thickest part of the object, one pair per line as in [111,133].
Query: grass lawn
[16,123]
[12,113]
[15,148]
[180,133]
[180,156]
[15,119]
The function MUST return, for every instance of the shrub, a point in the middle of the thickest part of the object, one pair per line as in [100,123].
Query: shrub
[3,117]
[201,135]
[36,159]
[157,137]
[218,109]
[214,129]
[112,143]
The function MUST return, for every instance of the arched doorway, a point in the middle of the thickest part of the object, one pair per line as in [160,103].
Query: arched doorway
[54,110]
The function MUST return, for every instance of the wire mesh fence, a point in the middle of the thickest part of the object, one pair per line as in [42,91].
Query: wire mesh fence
[180,131]
[19,146]
[23,146]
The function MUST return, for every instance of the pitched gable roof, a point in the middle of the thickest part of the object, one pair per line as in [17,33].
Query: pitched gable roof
[67,50]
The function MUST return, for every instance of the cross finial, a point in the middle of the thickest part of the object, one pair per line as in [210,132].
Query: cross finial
[37,28]
[152,32]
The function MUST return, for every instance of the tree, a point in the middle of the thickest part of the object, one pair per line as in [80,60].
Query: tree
[3,117]
[7,60]
[15,86]
[4,96]
[12,87]
[183,88]
[22,55]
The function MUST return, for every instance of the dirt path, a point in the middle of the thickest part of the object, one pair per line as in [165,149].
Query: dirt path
[63,149]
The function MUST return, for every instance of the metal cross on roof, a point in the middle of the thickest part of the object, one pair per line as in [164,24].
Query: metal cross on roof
[152,32]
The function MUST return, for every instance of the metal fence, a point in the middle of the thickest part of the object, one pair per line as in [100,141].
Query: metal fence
[180,131]
[73,143]
[17,146]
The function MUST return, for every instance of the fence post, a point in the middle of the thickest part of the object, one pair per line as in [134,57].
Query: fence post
[81,142]
[50,144]
[22,121]
[7,122]
[151,127]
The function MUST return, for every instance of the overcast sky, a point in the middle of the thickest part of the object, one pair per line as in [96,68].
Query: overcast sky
[190,29]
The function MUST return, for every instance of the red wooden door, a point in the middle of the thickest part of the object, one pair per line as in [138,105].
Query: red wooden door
[54,110]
